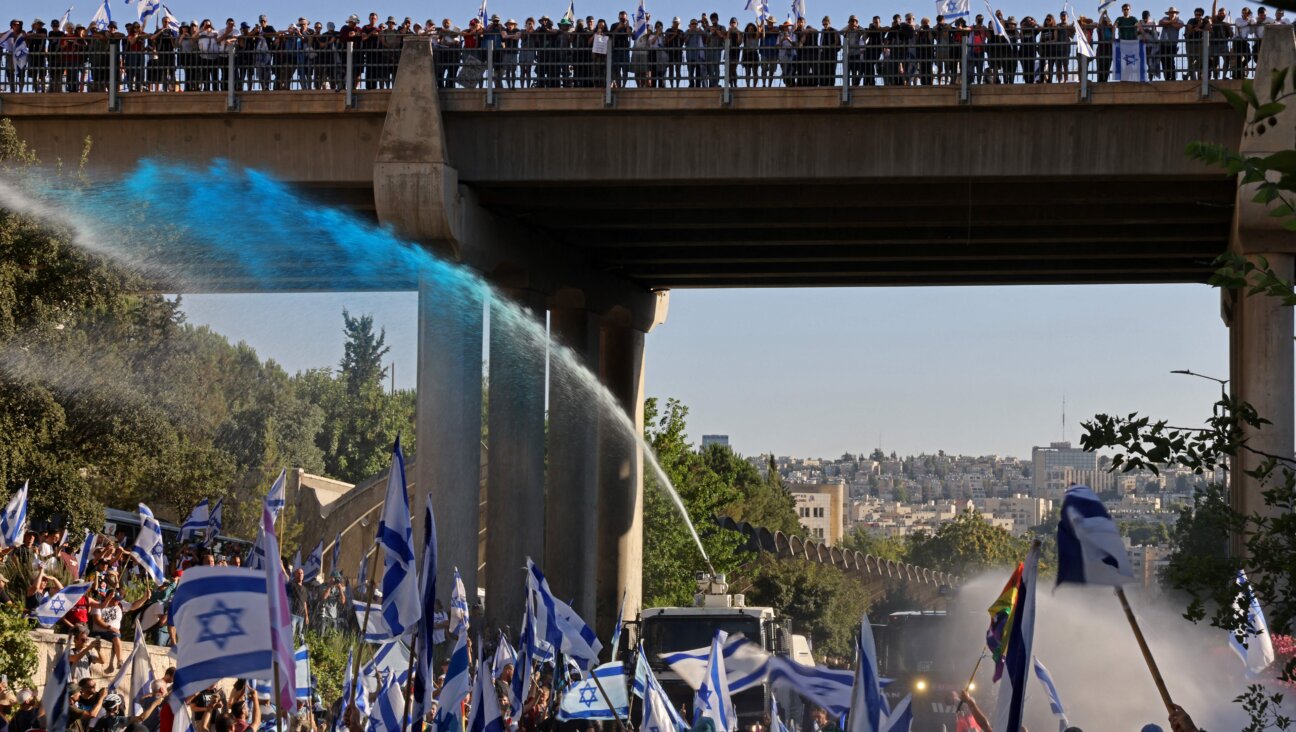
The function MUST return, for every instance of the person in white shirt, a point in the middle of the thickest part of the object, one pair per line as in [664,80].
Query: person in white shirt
[1280,17]
[1243,35]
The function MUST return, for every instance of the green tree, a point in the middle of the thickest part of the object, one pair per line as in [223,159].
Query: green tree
[363,353]
[822,602]
[860,540]
[966,546]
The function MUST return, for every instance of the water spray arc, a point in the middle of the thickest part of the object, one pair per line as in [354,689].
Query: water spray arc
[240,229]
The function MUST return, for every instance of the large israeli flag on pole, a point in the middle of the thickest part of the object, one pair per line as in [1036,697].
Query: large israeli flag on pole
[745,662]
[221,621]
[713,700]
[102,16]
[390,661]
[1258,652]
[1131,61]
[52,610]
[401,608]
[313,567]
[13,522]
[424,676]
[584,701]
[458,682]
[148,549]
[147,9]
[389,711]
[1090,548]
[55,699]
[198,520]
[335,558]
[559,625]
[868,705]
[141,671]
[1055,701]
[953,9]
[1012,686]
[86,554]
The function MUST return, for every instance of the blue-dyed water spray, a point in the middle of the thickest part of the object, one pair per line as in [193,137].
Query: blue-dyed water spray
[240,229]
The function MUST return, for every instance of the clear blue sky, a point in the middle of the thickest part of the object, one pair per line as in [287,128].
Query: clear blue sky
[818,372]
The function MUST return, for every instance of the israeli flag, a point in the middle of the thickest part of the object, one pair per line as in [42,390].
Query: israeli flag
[281,628]
[616,630]
[1090,549]
[712,700]
[520,687]
[664,716]
[424,681]
[389,710]
[335,558]
[169,20]
[86,554]
[775,718]
[20,53]
[301,660]
[13,522]
[401,608]
[505,656]
[828,688]
[570,15]
[458,606]
[481,13]
[148,549]
[313,567]
[147,9]
[375,626]
[1258,652]
[141,681]
[55,699]
[1131,61]
[901,719]
[276,499]
[390,661]
[52,610]
[798,9]
[868,705]
[67,15]
[996,25]
[1083,47]
[198,520]
[953,9]
[745,664]
[339,721]
[1012,685]
[1055,701]
[559,625]
[486,715]
[256,558]
[458,683]
[102,17]
[221,621]
[1104,4]
[216,521]
[583,700]
[640,27]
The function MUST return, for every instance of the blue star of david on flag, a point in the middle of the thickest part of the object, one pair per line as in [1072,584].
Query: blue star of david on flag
[232,627]
[588,697]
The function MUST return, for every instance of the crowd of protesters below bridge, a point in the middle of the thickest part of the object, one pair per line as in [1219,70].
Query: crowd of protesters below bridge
[585,52]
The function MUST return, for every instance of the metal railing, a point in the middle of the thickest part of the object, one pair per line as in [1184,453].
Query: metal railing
[576,61]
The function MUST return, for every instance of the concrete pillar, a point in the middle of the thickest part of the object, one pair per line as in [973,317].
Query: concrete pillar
[571,498]
[449,424]
[1262,374]
[515,475]
[620,508]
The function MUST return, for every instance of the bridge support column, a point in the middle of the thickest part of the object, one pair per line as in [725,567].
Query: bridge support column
[620,505]
[571,499]
[1262,373]
[449,424]
[515,461]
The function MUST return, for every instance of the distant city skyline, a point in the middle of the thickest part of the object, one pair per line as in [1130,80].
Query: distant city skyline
[820,372]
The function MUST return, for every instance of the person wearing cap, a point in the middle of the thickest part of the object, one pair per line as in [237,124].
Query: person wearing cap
[672,43]
[37,43]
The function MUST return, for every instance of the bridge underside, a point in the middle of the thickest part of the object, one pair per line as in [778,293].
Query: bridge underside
[913,232]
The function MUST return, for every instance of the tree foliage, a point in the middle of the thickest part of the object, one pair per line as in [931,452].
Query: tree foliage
[822,602]
[966,546]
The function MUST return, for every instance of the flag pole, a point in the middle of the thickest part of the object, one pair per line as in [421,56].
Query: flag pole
[274,694]
[612,708]
[1147,652]
[364,625]
[409,685]
[968,686]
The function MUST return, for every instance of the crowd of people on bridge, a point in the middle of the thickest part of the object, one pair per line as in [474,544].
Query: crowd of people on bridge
[62,56]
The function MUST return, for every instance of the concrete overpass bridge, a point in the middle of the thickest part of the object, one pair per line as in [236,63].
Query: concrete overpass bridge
[593,212]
